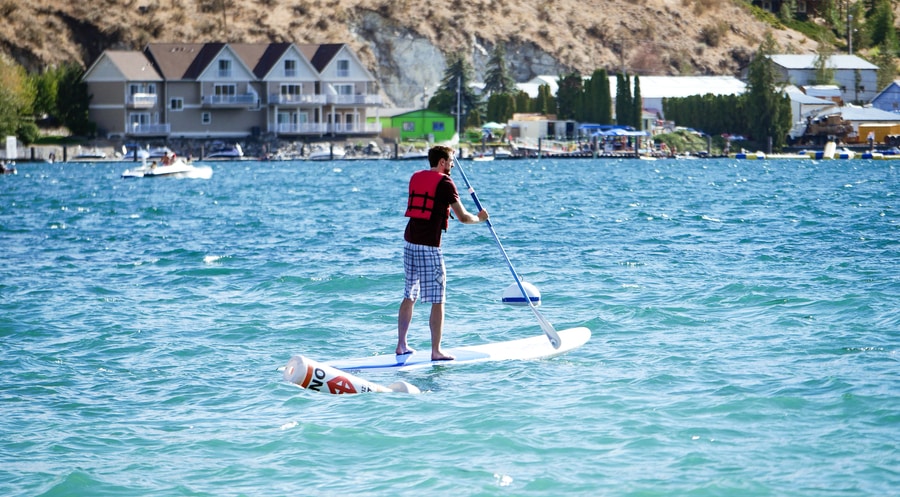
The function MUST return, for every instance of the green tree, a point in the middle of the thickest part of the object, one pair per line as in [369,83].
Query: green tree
[16,97]
[599,100]
[569,96]
[624,103]
[887,67]
[501,107]
[824,71]
[523,102]
[544,103]
[455,90]
[637,113]
[46,86]
[497,78]
[72,101]
[880,26]
[768,109]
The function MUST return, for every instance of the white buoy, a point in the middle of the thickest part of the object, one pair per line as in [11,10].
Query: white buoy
[320,377]
[513,295]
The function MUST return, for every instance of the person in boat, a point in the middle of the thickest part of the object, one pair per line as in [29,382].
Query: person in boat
[432,195]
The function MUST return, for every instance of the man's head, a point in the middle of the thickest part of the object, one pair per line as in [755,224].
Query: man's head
[441,157]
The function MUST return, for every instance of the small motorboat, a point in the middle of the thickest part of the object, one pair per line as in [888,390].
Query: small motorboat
[178,168]
[226,153]
[327,153]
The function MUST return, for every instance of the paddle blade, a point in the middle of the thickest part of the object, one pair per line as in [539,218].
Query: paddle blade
[551,333]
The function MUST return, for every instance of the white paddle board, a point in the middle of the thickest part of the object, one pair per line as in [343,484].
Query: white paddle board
[537,347]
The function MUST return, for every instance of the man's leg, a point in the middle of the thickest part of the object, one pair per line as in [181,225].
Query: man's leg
[436,321]
[404,317]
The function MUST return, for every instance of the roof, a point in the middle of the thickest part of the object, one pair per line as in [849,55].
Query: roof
[808,61]
[861,114]
[320,55]
[180,60]
[133,66]
[433,114]
[260,57]
[684,86]
[656,86]
[797,95]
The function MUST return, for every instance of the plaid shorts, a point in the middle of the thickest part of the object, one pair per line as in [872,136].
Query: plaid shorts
[425,273]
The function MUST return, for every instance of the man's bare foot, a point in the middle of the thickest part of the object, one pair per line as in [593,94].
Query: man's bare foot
[409,350]
[440,356]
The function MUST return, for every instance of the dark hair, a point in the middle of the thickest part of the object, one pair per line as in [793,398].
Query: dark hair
[438,152]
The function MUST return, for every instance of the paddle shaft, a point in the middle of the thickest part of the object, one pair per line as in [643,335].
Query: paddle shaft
[551,333]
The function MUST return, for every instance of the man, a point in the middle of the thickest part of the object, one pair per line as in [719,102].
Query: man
[432,194]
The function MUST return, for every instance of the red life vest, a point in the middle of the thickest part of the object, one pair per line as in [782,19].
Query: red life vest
[422,194]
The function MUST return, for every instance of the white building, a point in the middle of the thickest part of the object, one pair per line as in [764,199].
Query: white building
[856,78]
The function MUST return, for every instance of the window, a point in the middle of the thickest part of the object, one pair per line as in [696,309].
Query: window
[290,68]
[135,88]
[176,104]
[343,68]
[205,118]
[344,89]
[139,119]
[409,125]
[224,68]
[291,89]
[225,90]
[437,126]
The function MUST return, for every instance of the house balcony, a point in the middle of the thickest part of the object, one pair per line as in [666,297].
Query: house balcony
[224,101]
[281,99]
[354,99]
[148,130]
[142,101]
[355,128]
[301,129]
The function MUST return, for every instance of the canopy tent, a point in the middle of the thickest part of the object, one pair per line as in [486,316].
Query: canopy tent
[493,125]
[620,132]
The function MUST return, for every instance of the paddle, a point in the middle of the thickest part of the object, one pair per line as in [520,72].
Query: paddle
[552,335]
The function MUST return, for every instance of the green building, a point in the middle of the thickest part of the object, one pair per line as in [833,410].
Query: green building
[420,124]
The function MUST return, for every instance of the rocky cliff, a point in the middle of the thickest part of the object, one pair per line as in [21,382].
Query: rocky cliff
[405,43]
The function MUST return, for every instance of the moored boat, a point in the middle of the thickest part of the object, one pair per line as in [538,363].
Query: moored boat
[179,168]
[327,153]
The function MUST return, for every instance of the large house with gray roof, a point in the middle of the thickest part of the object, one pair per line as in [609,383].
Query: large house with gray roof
[856,78]
[231,90]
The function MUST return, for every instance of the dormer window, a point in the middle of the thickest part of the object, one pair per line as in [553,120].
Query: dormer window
[290,68]
[224,68]
[343,68]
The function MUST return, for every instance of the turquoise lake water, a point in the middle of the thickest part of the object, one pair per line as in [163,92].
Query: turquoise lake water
[745,319]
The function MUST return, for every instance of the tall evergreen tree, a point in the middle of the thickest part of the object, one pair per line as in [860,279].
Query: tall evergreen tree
[637,113]
[72,101]
[881,26]
[523,102]
[544,103]
[500,107]
[824,71]
[768,109]
[599,99]
[497,78]
[457,77]
[624,107]
[568,96]
[887,67]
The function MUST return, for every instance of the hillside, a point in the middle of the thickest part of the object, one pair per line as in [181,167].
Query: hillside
[404,42]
